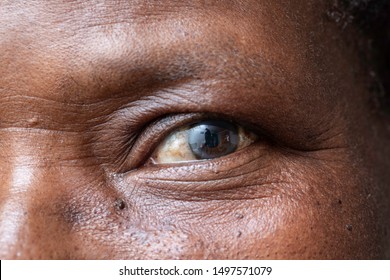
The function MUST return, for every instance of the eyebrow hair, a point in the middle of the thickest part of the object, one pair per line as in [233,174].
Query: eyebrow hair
[120,77]
[140,68]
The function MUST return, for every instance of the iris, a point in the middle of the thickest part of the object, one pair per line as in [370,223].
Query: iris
[212,139]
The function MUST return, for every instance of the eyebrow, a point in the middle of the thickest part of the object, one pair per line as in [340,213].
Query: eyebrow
[127,60]
[135,74]
[149,68]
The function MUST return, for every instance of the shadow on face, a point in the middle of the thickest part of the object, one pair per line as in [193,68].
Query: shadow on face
[90,93]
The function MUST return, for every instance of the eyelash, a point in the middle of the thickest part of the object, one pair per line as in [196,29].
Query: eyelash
[205,140]
[155,132]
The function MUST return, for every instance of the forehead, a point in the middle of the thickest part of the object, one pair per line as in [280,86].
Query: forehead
[100,47]
[119,18]
[108,12]
[86,52]
[104,26]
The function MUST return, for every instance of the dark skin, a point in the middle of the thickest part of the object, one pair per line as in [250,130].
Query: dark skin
[81,82]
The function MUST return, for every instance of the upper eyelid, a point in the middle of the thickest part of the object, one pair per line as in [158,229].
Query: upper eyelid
[113,135]
[116,134]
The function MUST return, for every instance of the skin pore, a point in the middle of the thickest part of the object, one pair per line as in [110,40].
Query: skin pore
[89,89]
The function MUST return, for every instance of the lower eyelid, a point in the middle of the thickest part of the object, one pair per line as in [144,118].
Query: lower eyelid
[254,156]
[235,177]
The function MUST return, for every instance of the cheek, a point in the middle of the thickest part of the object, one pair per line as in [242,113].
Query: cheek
[315,211]
[310,210]
[325,213]
[102,223]
[71,213]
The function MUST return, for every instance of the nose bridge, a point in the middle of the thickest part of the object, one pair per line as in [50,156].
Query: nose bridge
[17,177]
[31,160]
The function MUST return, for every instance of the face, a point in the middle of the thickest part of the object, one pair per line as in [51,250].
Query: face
[94,96]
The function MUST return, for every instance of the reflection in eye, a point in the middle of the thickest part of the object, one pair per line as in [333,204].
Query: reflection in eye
[204,140]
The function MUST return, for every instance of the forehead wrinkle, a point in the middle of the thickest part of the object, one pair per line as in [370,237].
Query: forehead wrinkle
[99,12]
[145,67]
[129,60]
[101,59]
[165,42]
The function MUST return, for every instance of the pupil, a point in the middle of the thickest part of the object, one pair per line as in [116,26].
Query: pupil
[212,139]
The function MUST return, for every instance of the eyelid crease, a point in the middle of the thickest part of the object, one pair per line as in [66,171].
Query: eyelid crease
[182,182]
[225,178]
[219,168]
[241,192]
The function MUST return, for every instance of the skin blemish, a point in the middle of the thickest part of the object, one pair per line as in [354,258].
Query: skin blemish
[239,216]
[348,227]
[120,204]
[33,122]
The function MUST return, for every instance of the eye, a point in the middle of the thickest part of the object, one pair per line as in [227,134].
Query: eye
[203,140]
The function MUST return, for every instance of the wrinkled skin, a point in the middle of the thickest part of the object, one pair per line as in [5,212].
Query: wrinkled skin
[81,80]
